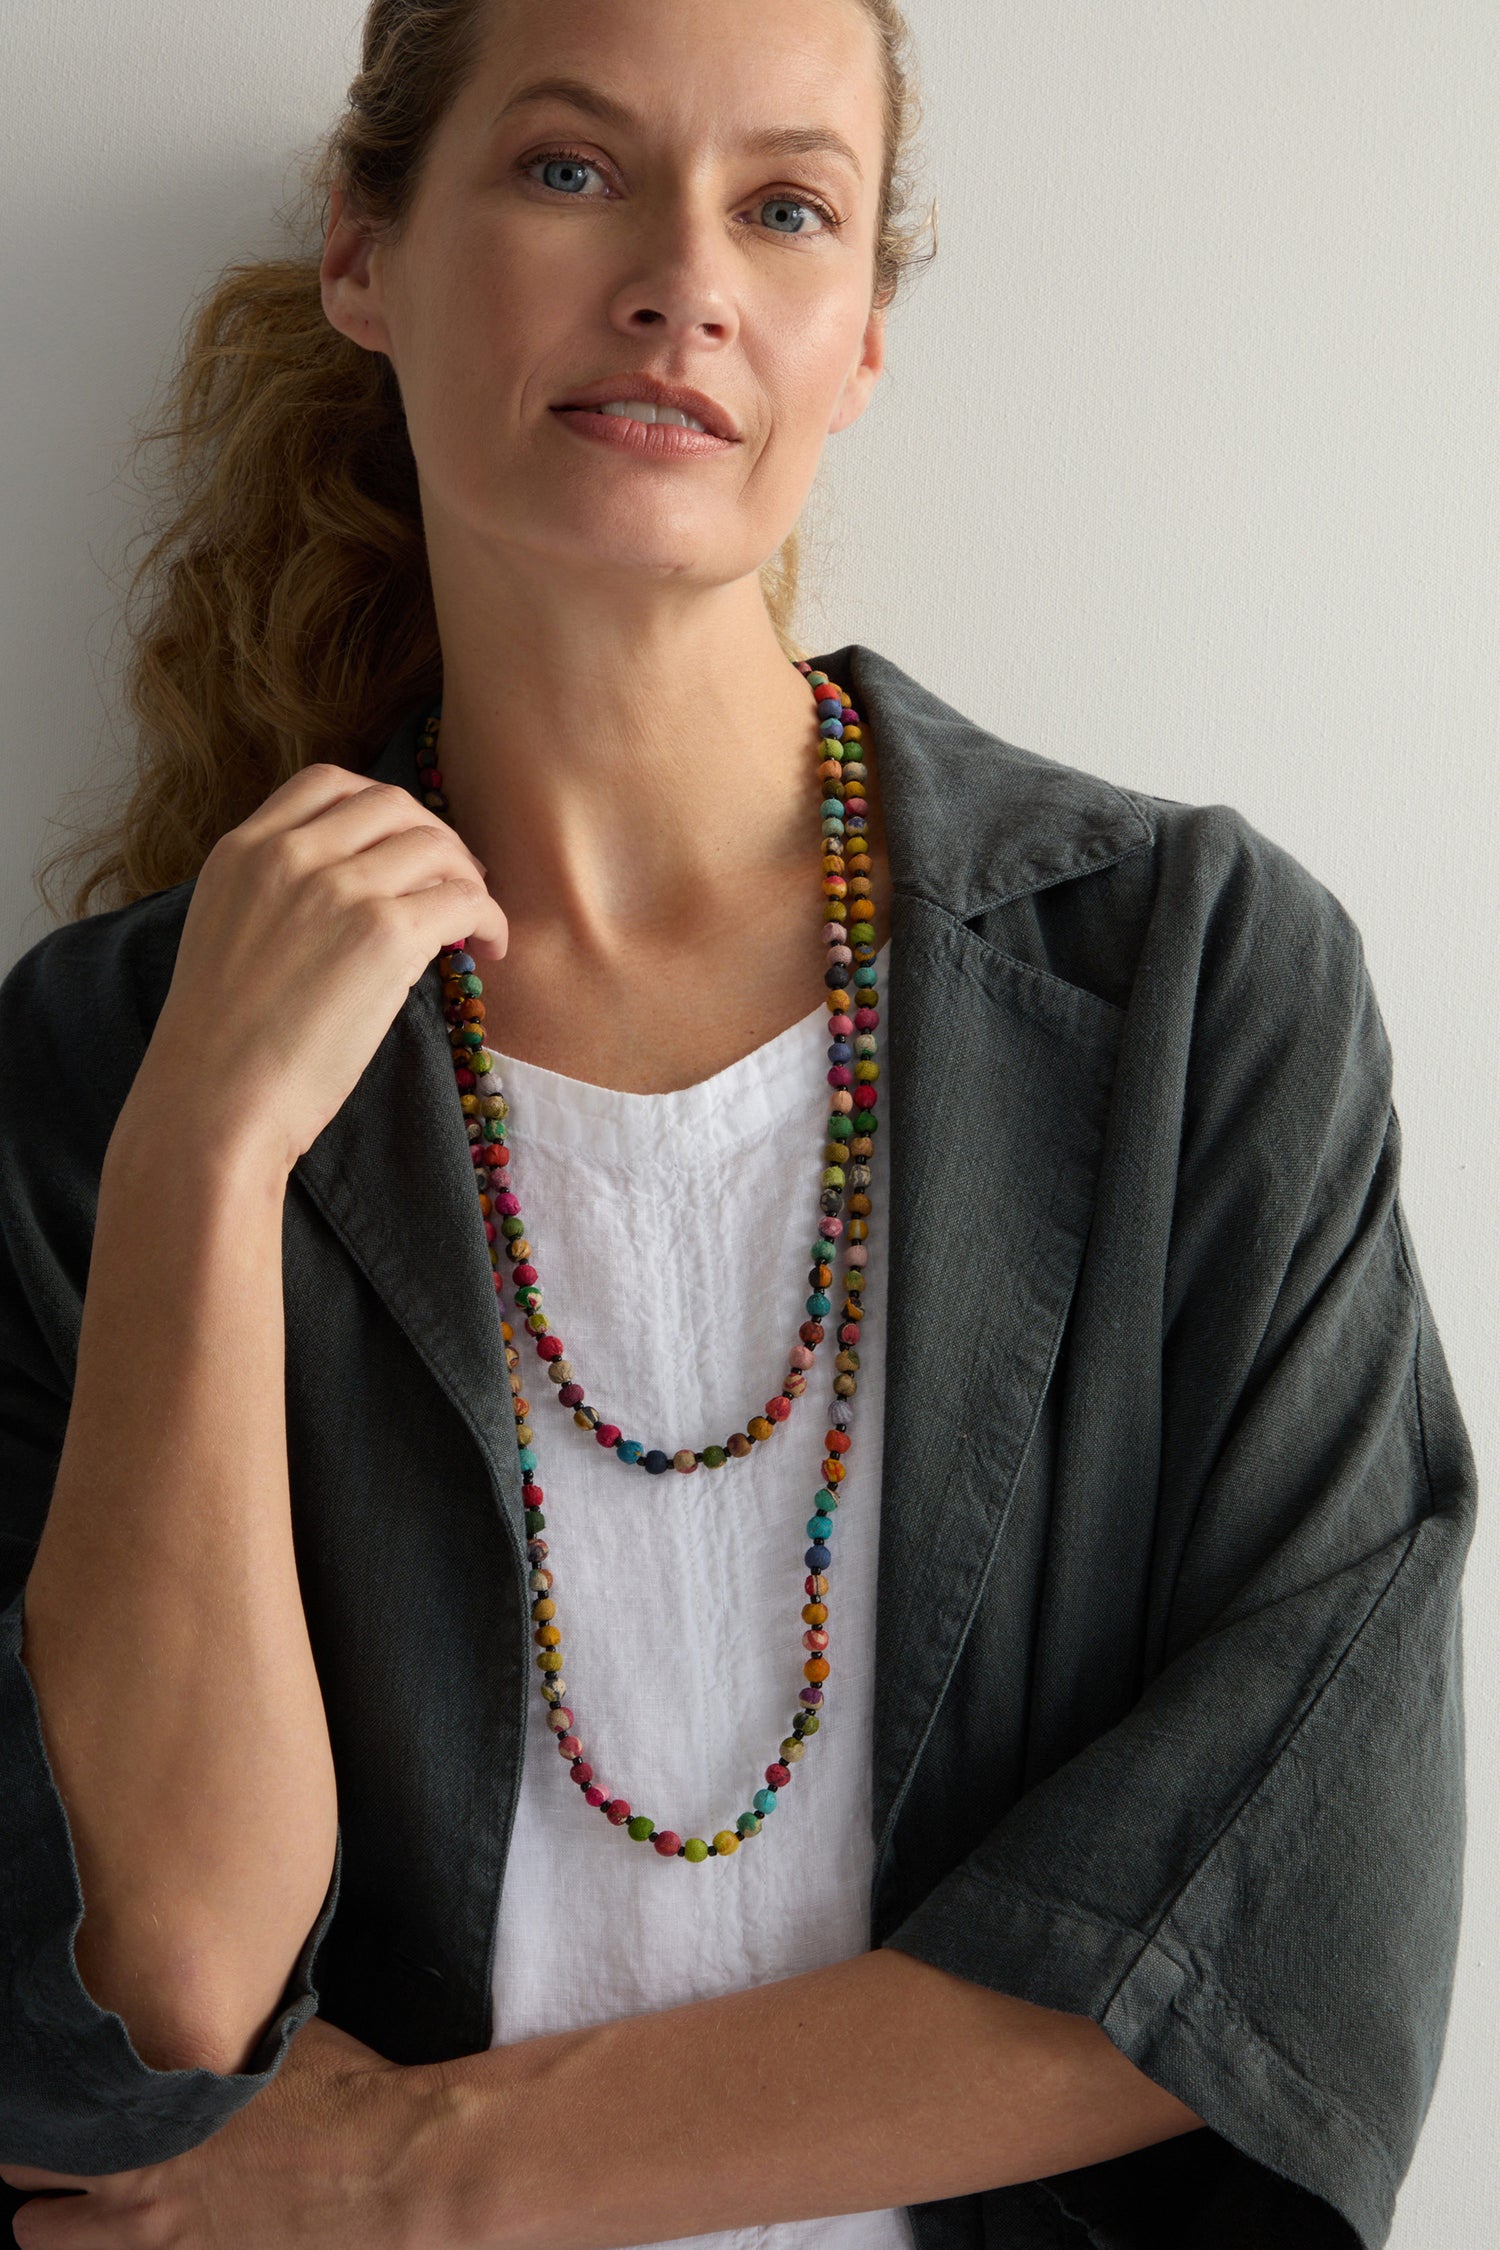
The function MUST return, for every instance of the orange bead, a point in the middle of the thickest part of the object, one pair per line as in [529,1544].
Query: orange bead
[816,1668]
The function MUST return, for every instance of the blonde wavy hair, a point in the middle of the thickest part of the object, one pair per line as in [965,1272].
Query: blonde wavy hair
[282,612]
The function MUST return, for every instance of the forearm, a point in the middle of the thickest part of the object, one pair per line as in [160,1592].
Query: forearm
[163,1625]
[908,2083]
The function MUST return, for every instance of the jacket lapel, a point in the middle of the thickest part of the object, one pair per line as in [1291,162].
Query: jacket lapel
[998,1077]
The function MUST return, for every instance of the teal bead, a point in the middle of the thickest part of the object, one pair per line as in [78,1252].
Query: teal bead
[748,1824]
[630,1449]
[764,1800]
[818,1527]
[865,976]
[832,808]
[528,1458]
[818,1305]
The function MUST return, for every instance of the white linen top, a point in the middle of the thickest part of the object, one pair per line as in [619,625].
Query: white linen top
[673,1236]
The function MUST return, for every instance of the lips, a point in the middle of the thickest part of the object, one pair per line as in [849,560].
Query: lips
[613,390]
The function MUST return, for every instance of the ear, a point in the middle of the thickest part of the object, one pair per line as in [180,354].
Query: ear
[350,278]
[859,384]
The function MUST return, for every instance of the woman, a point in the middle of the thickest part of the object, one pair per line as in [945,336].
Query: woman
[1116,1901]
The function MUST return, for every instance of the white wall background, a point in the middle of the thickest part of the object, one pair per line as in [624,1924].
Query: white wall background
[1187,471]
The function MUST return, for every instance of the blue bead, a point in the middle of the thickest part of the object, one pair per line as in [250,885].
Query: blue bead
[764,1800]
[461,965]
[656,1462]
[840,1052]
[818,1557]
[527,1457]
[829,706]
[818,1527]
[630,1449]
[832,730]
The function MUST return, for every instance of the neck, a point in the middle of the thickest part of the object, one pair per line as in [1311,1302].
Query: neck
[624,772]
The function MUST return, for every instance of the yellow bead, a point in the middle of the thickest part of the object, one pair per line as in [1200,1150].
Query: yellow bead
[726,1842]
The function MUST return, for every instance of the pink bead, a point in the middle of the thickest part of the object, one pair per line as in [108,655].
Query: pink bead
[833,1228]
[858,1253]
[489,1230]
[523,1274]
[560,1720]
[570,1746]
[841,1026]
[606,1434]
[509,1206]
[815,1637]
[619,1812]
[583,1774]
[777,1777]
[669,1843]
[841,1075]
[865,1019]
[801,1355]
[571,1394]
[593,1795]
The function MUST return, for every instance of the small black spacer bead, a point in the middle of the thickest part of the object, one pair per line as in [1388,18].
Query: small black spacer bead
[578,1761]
[681,1852]
[713,1851]
[651,1839]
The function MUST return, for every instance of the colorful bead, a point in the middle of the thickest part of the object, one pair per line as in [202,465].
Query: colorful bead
[850,982]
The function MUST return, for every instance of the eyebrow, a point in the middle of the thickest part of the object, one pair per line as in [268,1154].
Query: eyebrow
[775,140]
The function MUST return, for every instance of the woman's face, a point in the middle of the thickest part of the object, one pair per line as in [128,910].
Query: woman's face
[661,221]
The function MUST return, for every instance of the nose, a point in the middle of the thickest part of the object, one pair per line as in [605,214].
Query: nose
[681,278]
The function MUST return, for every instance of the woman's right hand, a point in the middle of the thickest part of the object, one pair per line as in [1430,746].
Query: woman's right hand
[308,925]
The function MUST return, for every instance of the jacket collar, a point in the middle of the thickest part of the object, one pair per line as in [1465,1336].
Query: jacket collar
[997,1083]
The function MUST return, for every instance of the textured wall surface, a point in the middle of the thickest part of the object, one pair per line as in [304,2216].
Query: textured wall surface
[1186,471]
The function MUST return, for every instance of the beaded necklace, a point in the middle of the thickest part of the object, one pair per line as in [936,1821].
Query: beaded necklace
[848,906]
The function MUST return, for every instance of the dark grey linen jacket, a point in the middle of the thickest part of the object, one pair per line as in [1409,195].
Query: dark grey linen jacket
[1168,1720]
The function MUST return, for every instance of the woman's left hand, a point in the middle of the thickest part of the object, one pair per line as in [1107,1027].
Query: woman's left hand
[342,2151]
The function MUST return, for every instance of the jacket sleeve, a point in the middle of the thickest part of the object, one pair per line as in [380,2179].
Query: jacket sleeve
[74,2094]
[1252,1881]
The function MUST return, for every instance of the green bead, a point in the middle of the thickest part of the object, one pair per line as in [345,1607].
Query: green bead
[714,1457]
[839,1127]
[640,1827]
[748,1824]
[695,1848]
[535,1522]
[833,1176]
[816,679]
[472,986]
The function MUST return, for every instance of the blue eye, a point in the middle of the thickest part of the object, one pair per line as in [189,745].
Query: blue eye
[567,164]
[785,207]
